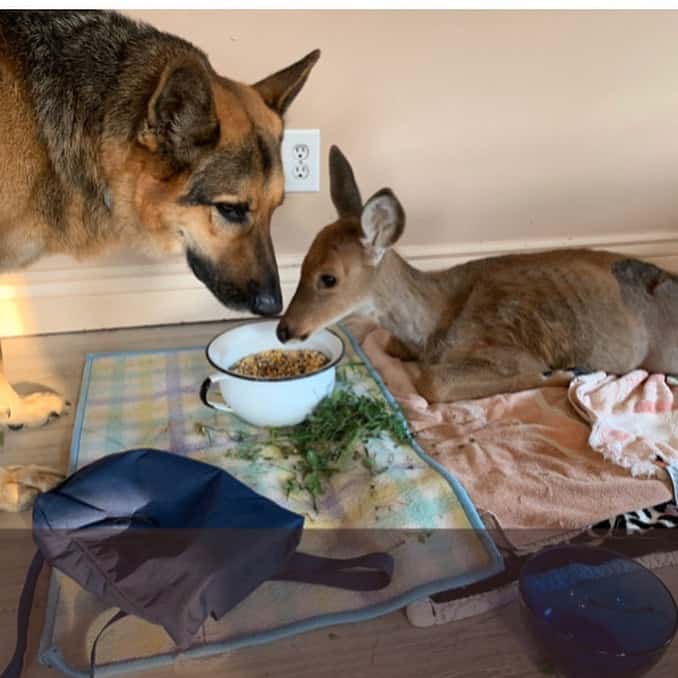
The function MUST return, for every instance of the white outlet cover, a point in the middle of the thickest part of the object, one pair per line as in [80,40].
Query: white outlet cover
[294,183]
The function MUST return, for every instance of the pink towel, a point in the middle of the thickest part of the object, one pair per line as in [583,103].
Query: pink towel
[523,457]
[634,418]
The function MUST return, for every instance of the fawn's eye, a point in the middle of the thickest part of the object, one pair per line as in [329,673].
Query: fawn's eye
[236,213]
[327,280]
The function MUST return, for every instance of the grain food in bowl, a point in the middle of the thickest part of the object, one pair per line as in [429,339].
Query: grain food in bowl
[279,364]
[269,402]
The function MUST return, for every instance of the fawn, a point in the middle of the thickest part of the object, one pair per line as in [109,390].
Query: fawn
[489,326]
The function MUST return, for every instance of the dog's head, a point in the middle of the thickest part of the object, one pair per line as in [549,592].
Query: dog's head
[209,175]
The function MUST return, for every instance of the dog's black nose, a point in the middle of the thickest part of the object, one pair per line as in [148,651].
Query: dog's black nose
[267,304]
[265,297]
[283,332]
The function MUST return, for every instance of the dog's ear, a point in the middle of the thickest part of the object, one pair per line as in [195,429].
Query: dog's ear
[343,187]
[279,90]
[382,222]
[181,119]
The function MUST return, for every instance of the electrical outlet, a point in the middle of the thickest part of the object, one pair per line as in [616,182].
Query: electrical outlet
[301,171]
[301,160]
[301,151]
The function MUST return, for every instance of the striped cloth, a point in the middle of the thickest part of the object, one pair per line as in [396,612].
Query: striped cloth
[150,399]
[411,508]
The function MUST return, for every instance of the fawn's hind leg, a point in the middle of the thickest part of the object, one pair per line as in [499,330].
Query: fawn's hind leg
[468,376]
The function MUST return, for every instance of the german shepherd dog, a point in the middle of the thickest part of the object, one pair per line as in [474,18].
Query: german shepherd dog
[114,133]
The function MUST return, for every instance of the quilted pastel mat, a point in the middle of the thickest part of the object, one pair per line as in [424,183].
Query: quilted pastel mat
[401,501]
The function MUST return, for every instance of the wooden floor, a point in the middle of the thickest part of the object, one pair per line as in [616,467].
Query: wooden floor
[493,644]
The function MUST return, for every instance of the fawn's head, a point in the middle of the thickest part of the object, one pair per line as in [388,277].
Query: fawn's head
[340,268]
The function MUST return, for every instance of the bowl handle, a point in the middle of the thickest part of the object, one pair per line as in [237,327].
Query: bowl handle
[204,392]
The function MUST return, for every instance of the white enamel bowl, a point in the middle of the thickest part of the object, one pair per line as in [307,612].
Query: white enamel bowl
[269,402]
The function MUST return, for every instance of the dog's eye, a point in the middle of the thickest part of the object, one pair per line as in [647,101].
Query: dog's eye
[327,280]
[236,213]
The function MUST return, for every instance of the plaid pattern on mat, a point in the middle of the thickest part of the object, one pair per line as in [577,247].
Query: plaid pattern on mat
[409,507]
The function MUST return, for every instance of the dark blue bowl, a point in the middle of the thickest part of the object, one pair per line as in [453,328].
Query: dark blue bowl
[596,612]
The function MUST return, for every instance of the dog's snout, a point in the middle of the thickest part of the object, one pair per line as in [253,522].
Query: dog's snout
[283,332]
[267,304]
[265,300]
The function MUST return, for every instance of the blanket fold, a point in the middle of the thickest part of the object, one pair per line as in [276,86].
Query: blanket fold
[523,457]
[634,419]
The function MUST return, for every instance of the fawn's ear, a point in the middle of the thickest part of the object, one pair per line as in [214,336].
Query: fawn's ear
[343,187]
[382,221]
[181,120]
[279,90]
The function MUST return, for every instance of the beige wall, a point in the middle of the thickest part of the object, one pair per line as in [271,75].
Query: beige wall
[487,124]
[524,127]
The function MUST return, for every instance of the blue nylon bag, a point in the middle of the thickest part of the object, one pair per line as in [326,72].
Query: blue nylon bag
[173,541]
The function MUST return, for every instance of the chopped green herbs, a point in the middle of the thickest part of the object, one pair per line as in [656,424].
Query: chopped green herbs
[335,435]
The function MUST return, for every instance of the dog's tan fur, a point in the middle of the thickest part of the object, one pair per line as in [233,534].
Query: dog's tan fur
[20,485]
[138,151]
[488,326]
[145,190]
[115,134]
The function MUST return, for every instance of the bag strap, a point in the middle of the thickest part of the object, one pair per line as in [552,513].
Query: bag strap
[13,669]
[120,614]
[23,615]
[370,572]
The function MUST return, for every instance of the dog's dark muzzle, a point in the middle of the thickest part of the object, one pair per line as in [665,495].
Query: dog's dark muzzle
[266,300]
[267,304]
[260,298]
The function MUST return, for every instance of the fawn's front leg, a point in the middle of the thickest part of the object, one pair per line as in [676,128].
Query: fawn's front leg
[396,349]
[465,377]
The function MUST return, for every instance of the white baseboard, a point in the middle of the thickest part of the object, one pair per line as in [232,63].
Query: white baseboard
[71,299]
